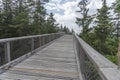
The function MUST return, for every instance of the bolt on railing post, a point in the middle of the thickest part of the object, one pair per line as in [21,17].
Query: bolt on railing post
[32,44]
[7,52]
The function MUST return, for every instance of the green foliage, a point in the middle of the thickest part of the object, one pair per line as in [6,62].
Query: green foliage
[50,23]
[89,38]
[21,24]
[101,37]
[104,26]
[112,58]
[21,20]
[25,17]
[111,46]
[38,18]
[103,31]
[116,8]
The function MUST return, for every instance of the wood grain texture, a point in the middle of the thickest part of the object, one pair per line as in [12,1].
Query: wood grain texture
[55,62]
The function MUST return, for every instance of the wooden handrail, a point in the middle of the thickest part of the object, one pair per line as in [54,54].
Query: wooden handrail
[26,37]
[32,43]
[105,68]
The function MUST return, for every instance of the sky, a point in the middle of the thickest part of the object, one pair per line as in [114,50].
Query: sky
[65,11]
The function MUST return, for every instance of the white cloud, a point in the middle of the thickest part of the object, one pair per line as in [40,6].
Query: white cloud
[110,1]
[56,1]
[69,15]
[94,4]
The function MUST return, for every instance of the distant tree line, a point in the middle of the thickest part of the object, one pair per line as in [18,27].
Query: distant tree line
[66,30]
[105,29]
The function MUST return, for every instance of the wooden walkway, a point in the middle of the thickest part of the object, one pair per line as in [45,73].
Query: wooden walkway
[55,62]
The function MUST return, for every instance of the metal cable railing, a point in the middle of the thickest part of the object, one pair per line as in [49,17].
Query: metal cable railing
[94,66]
[13,48]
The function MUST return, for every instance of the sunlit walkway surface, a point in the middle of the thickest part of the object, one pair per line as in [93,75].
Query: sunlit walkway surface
[55,62]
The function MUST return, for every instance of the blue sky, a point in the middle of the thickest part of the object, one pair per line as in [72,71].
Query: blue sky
[65,11]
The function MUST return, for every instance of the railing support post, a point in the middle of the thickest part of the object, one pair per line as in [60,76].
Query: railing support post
[32,44]
[40,41]
[49,38]
[7,52]
[43,42]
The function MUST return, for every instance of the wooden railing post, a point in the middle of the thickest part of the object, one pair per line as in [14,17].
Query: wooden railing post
[40,41]
[32,44]
[43,42]
[49,38]
[7,52]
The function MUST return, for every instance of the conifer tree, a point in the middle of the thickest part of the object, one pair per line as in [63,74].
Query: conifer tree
[38,17]
[21,18]
[86,19]
[25,17]
[66,30]
[104,29]
[104,26]
[6,19]
[51,26]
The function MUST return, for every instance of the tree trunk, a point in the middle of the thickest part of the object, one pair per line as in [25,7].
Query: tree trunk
[118,54]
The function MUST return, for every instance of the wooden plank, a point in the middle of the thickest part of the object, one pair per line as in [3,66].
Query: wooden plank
[55,62]
[110,73]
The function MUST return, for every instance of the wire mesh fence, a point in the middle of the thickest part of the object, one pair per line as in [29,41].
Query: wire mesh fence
[2,54]
[88,70]
[13,48]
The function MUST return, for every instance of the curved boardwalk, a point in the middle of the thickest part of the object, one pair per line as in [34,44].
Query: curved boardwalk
[55,62]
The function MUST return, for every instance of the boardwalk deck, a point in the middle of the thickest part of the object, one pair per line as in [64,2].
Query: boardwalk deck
[55,62]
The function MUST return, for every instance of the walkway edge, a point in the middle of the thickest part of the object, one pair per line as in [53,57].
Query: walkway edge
[77,59]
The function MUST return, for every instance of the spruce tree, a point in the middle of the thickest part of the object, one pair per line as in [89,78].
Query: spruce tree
[51,26]
[6,17]
[104,28]
[21,18]
[38,17]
